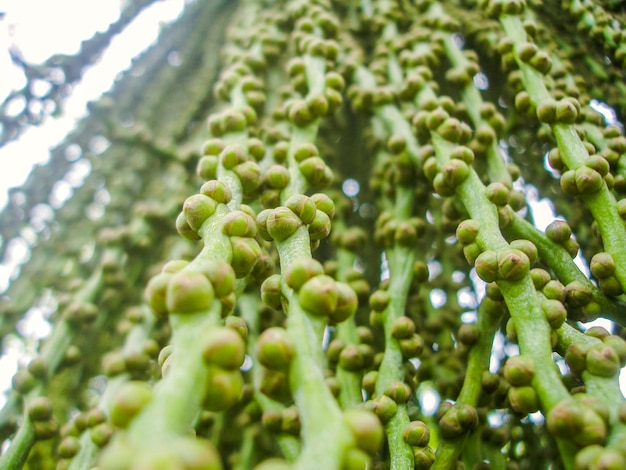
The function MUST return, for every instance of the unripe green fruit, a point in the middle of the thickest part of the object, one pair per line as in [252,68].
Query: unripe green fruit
[319,295]
[576,356]
[519,370]
[275,348]
[471,252]
[101,434]
[275,385]
[467,231]
[571,419]
[271,292]
[403,327]
[546,110]
[249,175]
[603,361]
[156,292]
[223,347]
[221,275]
[600,406]
[540,277]
[523,400]
[324,203]
[487,266]
[197,209]
[173,267]
[558,231]
[299,114]
[416,434]
[223,388]
[320,227]
[256,148]
[423,458]
[469,334]
[40,409]
[316,172]
[69,447]
[303,207]
[554,290]
[619,346]
[379,300]
[578,294]
[189,292]
[277,177]
[213,147]
[398,392]
[217,191]
[233,155]
[458,420]
[566,112]
[45,430]
[385,408]
[526,51]
[351,358]
[602,265]
[369,381]
[282,223]
[347,303]
[130,399]
[366,427]
[207,167]
[513,264]
[301,270]
[411,347]
[498,193]
[184,229]
[39,368]
[555,312]
[246,253]
[239,224]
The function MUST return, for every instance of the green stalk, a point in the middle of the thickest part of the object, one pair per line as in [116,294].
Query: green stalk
[601,203]
[401,261]
[449,450]
[324,435]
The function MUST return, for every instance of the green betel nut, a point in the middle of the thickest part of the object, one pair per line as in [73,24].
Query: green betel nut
[239,224]
[275,348]
[282,223]
[320,227]
[303,207]
[523,400]
[197,209]
[223,388]
[217,191]
[184,229]
[156,292]
[467,231]
[271,292]
[301,270]
[130,399]
[486,265]
[458,420]
[416,434]
[603,361]
[246,253]
[367,429]
[223,347]
[319,295]
[189,292]
[347,303]
[221,275]
[513,264]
